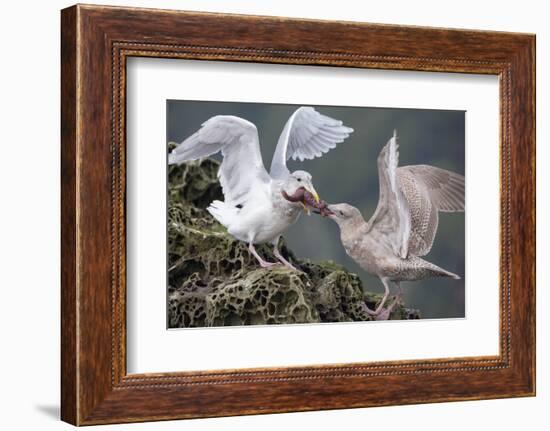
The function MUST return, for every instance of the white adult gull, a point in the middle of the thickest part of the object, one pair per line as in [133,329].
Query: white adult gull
[254,209]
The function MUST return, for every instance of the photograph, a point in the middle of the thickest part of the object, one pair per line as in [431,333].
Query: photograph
[292,214]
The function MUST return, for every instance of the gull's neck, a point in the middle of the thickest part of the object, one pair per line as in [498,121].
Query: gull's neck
[289,209]
[352,230]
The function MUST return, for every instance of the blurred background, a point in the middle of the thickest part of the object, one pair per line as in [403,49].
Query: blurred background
[349,173]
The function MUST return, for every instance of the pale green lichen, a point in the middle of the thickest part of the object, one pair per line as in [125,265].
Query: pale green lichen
[214,281]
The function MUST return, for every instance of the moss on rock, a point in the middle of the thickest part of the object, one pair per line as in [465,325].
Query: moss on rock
[214,281]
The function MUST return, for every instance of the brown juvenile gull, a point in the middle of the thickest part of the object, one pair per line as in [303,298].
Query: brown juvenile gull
[254,209]
[404,224]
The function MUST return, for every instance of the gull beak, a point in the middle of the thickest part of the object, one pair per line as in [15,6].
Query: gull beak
[314,193]
[310,189]
[331,213]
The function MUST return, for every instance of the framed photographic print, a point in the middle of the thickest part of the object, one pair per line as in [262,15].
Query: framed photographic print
[268,215]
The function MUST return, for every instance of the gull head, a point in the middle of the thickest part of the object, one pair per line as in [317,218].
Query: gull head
[344,213]
[300,179]
[296,182]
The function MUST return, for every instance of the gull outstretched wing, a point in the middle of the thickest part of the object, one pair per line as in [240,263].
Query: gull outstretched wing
[242,170]
[392,217]
[307,134]
[429,190]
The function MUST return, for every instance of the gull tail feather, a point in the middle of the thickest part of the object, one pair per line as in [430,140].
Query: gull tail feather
[427,269]
[223,212]
[436,271]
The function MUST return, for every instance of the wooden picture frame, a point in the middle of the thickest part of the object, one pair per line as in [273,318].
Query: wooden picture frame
[95,43]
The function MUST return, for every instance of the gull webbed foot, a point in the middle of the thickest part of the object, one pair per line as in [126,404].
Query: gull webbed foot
[265,264]
[381,313]
[290,266]
[385,313]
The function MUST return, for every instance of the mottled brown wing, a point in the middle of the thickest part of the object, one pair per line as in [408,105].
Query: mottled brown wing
[429,190]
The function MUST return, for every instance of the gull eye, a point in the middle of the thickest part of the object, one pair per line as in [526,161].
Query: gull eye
[299,180]
[342,213]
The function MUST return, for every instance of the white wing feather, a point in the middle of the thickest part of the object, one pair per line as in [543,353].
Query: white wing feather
[242,170]
[307,134]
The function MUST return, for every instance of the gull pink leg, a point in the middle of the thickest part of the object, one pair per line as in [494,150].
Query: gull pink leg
[262,262]
[280,257]
[382,313]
